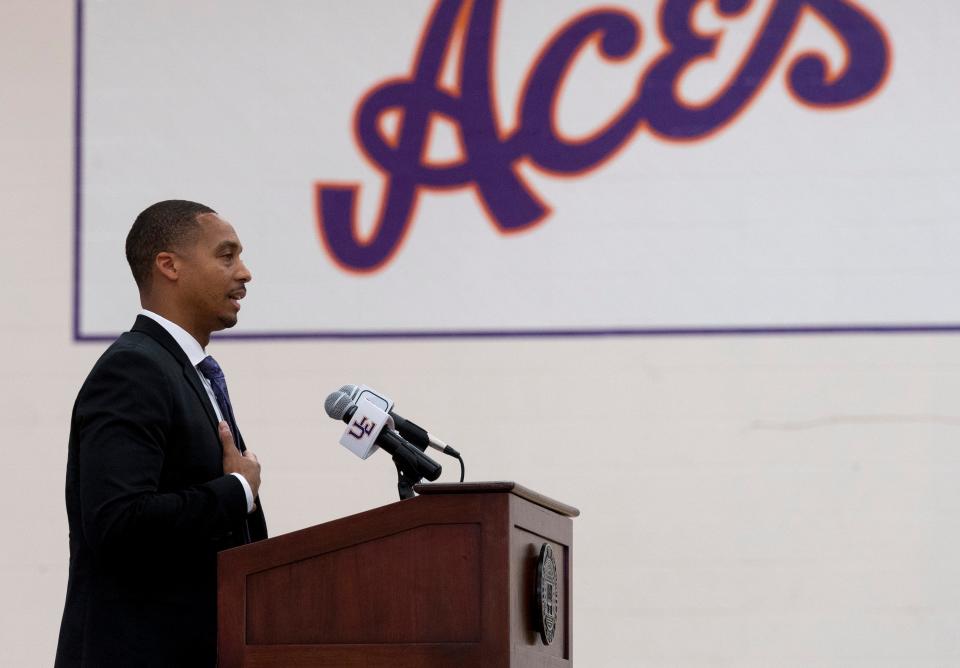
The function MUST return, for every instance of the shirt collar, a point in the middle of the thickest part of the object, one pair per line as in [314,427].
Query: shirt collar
[191,347]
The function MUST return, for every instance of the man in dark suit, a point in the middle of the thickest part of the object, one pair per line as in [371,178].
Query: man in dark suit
[158,477]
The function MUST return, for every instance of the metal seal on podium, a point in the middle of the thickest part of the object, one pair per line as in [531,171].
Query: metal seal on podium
[548,595]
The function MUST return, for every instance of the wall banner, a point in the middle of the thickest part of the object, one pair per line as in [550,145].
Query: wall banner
[485,167]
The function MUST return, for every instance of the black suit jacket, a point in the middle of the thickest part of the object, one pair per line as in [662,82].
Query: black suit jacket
[149,507]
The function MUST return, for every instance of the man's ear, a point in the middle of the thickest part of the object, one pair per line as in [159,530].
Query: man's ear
[168,264]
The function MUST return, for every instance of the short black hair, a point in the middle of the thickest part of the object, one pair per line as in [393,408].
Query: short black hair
[163,226]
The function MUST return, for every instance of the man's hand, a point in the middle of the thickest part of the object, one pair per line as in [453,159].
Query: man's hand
[234,461]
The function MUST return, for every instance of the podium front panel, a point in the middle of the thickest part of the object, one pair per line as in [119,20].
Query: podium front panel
[443,579]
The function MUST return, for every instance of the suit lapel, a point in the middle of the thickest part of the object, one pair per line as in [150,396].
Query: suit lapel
[160,335]
[190,373]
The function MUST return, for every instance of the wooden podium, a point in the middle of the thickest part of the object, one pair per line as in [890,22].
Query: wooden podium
[449,578]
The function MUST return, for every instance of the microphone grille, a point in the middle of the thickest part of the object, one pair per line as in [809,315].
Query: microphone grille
[337,404]
[349,389]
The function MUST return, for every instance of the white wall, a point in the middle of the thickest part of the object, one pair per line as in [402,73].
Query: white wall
[773,501]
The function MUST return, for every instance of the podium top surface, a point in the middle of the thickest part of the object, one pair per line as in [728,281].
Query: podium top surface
[497,487]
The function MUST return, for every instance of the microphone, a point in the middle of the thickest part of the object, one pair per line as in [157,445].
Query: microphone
[367,429]
[357,393]
[410,430]
[419,436]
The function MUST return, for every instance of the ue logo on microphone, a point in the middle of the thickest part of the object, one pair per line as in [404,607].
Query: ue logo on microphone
[364,428]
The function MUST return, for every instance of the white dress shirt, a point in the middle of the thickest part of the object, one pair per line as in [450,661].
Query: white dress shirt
[196,354]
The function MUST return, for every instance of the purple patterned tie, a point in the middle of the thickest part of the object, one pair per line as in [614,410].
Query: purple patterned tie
[212,372]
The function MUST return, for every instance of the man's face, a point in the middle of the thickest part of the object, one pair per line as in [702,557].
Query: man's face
[212,275]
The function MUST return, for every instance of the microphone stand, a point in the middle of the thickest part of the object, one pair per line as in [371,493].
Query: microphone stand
[405,481]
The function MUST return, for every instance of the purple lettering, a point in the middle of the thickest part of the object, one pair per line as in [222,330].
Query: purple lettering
[490,154]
